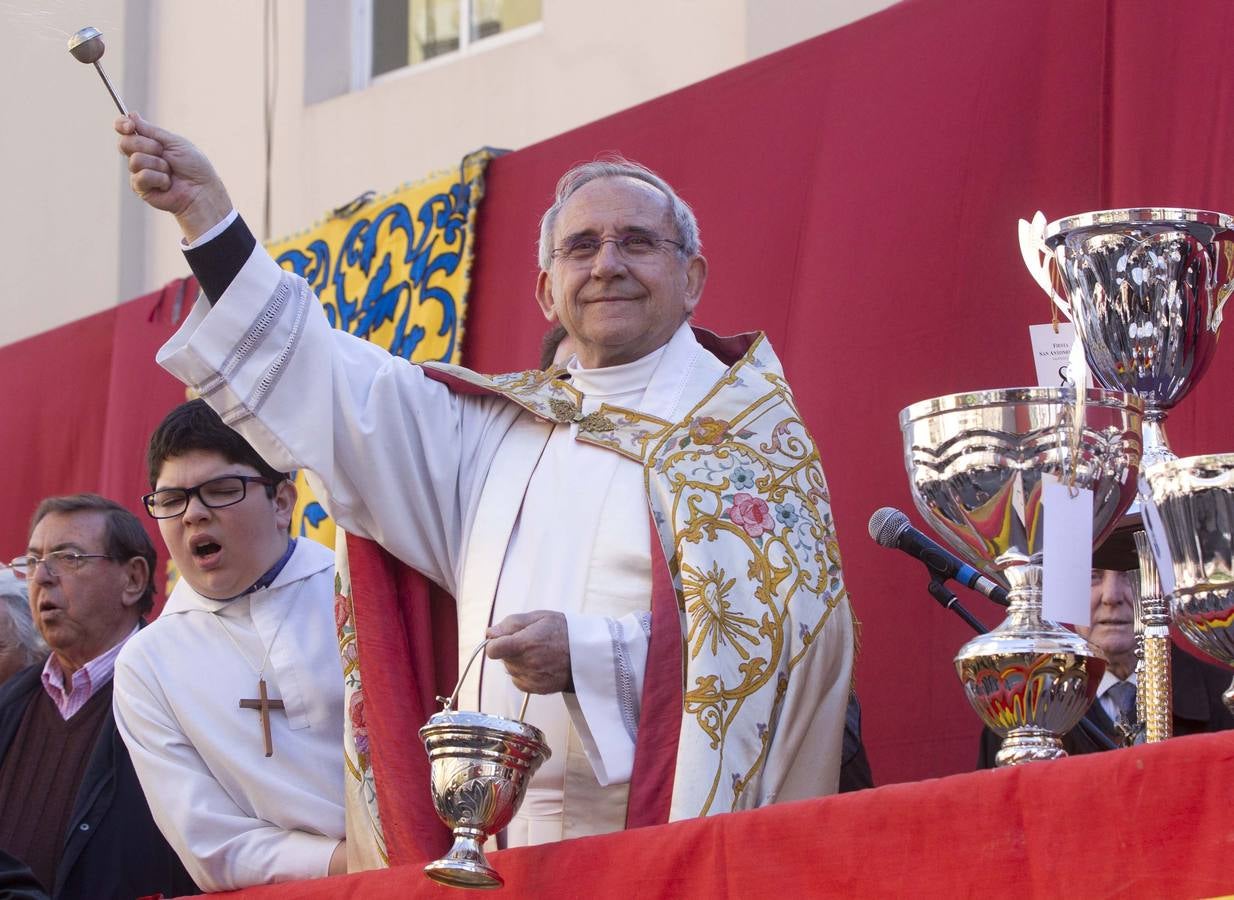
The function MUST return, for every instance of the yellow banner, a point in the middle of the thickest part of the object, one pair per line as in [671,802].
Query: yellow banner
[394,270]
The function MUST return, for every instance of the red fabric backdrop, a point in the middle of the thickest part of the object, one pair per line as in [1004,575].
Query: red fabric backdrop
[82,402]
[858,195]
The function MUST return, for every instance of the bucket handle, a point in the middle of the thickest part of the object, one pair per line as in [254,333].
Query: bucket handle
[448,703]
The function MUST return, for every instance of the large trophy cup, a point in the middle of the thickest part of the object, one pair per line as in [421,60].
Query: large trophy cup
[975,465]
[1195,500]
[480,767]
[1145,289]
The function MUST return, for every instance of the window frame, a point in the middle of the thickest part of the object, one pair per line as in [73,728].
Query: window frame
[362,44]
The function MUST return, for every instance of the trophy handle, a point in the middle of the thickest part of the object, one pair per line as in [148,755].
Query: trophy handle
[1040,261]
[450,702]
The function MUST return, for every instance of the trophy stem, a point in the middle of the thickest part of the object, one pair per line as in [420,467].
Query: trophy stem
[465,866]
[1228,698]
[1156,444]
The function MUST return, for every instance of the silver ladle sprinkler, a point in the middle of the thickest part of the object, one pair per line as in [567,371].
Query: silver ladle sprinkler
[87,47]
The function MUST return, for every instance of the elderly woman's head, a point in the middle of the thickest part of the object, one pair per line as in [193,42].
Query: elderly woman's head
[21,644]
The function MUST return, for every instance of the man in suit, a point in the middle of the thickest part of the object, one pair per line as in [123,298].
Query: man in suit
[1197,685]
[74,812]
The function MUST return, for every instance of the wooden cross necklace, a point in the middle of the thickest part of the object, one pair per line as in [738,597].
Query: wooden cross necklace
[262,703]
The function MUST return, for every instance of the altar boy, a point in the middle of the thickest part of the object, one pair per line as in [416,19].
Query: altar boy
[231,702]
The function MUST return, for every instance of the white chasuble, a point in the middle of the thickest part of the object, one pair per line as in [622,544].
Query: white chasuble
[580,547]
[234,816]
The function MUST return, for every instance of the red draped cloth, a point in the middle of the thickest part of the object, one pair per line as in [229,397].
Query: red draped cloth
[1148,822]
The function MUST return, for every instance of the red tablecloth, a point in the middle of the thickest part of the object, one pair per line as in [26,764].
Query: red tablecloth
[1153,821]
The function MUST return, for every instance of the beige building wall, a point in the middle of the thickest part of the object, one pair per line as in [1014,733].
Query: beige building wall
[79,242]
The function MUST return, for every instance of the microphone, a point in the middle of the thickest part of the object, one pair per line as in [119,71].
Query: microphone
[891,528]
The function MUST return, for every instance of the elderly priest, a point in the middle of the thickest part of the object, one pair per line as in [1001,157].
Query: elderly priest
[654,510]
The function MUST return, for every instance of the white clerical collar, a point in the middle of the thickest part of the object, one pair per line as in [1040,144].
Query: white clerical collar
[652,384]
[615,381]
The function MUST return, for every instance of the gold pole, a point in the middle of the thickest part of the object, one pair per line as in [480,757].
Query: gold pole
[1154,696]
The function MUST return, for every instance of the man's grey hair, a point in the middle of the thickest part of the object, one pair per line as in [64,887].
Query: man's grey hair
[15,603]
[618,167]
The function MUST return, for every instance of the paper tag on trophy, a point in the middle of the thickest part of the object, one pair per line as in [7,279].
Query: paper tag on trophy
[1056,355]
[1051,352]
[1157,539]
[1067,552]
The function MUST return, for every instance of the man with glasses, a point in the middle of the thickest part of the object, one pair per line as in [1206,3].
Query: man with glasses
[71,806]
[231,702]
[654,510]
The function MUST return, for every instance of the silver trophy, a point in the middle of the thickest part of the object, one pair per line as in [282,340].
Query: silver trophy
[480,767]
[1194,498]
[1145,289]
[975,465]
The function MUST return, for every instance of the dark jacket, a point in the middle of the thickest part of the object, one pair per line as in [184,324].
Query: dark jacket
[1198,708]
[112,848]
[855,772]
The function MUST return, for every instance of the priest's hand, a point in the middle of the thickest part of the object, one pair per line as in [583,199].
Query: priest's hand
[172,175]
[535,647]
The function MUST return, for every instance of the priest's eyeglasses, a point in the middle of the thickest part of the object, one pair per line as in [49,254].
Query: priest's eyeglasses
[216,493]
[635,245]
[56,563]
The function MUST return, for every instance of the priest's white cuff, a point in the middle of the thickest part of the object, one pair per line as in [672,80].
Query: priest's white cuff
[210,234]
[607,659]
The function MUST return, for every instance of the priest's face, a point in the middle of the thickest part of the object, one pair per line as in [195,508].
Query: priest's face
[221,551]
[82,611]
[618,304]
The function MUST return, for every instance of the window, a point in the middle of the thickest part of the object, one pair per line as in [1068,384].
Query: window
[410,32]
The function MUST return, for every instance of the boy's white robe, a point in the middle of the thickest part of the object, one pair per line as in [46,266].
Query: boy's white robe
[234,816]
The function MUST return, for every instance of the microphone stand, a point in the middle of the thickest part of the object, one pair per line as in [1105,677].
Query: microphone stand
[948,600]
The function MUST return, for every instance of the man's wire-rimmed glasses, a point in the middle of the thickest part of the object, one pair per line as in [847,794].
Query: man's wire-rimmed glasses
[217,493]
[635,245]
[56,563]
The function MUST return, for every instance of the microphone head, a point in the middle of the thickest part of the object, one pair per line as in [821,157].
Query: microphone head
[887,524]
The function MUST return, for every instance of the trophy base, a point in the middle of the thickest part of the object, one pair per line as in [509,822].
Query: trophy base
[1228,698]
[465,865]
[1029,744]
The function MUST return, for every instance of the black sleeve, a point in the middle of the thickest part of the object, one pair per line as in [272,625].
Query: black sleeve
[217,262]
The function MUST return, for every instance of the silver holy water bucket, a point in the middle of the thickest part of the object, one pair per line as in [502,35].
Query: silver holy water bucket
[480,766]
